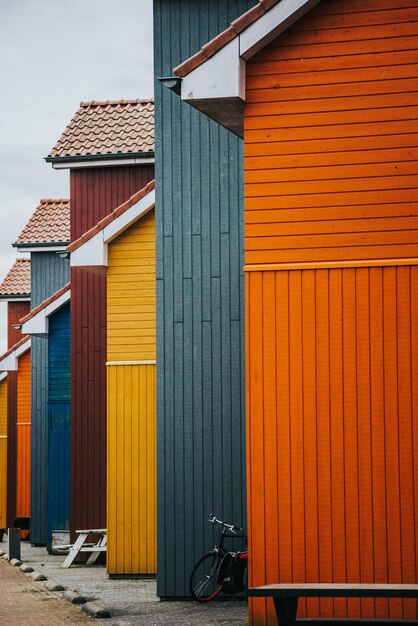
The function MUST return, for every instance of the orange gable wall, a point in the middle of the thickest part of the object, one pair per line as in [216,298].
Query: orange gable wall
[23,437]
[331,247]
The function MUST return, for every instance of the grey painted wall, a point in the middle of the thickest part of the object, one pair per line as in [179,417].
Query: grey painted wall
[49,272]
[200,304]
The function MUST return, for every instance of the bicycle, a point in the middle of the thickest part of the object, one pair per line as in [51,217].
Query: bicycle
[220,569]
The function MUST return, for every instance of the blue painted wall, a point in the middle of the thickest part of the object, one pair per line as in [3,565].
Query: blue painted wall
[58,471]
[49,272]
[200,304]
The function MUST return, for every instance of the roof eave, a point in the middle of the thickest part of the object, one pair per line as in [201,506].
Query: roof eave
[216,87]
[101,160]
[38,246]
[22,297]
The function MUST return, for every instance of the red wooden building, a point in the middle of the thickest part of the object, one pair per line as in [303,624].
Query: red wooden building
[15,290]
[109,149]
[324,95]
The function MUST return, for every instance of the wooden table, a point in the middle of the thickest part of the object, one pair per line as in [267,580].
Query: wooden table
[285,596]
[80,545]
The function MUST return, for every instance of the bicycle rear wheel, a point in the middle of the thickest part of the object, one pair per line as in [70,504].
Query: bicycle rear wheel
[203,583]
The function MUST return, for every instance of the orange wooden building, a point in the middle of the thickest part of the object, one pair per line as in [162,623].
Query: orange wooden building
[15,290]
[324,95]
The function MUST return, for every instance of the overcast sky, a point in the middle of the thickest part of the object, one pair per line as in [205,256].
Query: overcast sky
[55,54]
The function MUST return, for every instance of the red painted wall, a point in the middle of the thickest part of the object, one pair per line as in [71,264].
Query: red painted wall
[94,194]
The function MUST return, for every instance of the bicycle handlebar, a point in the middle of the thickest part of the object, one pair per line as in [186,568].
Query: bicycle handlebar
[230,527]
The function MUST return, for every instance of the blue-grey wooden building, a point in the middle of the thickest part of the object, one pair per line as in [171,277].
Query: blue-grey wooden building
[45,236]
[200,304]
[51,319]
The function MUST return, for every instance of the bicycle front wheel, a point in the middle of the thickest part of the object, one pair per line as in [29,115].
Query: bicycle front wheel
[203,583]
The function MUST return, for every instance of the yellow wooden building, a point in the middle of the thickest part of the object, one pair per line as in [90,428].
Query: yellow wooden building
[3,450]
[125,243]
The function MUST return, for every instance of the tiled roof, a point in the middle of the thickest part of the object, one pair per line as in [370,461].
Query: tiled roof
[112,216]
[110,127]
[50,223]
[45,303]
[15,347]
[213,46]
[17,281]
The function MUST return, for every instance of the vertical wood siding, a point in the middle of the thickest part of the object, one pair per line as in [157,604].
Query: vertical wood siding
[330,135]
[131,488]
[131,518]
[3,453]
[200,317]
[49,272]
[332,401]
[11,446]
[23,437]
[58,471]
[94,194]
[330,173]
[15,311]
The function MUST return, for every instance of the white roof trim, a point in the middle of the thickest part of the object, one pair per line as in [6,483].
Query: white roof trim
[94,251]
[41,248]
[222,77]
[101,163]
[39,323]
[10,363]
[3,376]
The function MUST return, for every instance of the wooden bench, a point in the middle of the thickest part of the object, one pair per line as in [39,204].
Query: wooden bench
[285,596]
[80,545]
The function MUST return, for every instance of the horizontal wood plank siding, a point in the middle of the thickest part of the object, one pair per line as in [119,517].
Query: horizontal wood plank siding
[3,453]
[200,304]
[131,439]
[93,195]
[330,137]
[23,437]
[131,515]
[131,293]
[11,446]
[49,272]
[331,440]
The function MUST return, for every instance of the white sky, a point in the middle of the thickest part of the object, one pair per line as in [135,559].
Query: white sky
[53,55]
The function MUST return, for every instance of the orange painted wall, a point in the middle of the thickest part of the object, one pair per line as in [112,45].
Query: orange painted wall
[332,274]
[23,437]
[3,453]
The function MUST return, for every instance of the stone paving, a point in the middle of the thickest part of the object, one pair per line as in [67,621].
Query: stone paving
[130,602]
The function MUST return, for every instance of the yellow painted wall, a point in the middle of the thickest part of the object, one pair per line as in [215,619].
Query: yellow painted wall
[131,500]
[131,293]
[131,434]
[3,452]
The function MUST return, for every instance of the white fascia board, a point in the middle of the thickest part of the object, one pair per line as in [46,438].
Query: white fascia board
[121,223]
[269,26]
[221,76]
[3,376]
[76,165]
[38,324]
[43,249]
[10,363]
[94,251]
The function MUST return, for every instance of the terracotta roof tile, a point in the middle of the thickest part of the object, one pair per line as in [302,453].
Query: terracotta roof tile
[15,347]
[112,216]
[17,281]
[45,303]
[50,223]
[110,127]
[230,33]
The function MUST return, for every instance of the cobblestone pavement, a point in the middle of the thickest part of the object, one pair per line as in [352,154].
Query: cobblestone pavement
[130,602]
[23,603]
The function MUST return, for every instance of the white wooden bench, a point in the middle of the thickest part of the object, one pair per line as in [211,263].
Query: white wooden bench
[80,545]
[285,596]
